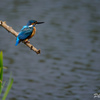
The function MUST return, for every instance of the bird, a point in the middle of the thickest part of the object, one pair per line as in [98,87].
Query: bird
[27,32]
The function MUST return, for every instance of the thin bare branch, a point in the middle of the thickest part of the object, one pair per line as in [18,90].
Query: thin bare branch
[11,30]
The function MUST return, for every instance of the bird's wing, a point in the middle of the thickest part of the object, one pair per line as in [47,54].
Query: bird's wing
[25,32]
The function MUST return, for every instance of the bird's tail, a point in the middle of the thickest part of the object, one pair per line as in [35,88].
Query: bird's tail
[17,41]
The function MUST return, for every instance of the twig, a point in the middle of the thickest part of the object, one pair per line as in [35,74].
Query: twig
[11,30]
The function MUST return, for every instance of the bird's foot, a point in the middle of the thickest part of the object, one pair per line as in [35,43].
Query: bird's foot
[27,41]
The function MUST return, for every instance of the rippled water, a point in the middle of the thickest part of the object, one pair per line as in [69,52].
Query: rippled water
[68,67]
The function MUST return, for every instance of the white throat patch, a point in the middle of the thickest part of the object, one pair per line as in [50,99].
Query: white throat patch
[30,25]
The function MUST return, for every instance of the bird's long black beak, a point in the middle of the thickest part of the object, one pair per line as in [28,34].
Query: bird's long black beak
[39,22]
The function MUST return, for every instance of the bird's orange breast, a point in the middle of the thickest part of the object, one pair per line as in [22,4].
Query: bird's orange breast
[33,33]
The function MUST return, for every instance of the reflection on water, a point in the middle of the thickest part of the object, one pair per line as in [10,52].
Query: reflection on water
[68,66]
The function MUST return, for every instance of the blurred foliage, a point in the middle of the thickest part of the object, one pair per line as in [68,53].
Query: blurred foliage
[1,79]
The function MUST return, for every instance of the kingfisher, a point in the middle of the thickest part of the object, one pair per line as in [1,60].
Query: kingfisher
[27,32]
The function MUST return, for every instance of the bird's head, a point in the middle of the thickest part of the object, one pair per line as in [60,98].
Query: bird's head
[33,22]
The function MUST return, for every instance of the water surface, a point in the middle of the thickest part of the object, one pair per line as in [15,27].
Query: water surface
[68,67]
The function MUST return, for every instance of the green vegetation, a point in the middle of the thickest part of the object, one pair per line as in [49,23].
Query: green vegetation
[1,79]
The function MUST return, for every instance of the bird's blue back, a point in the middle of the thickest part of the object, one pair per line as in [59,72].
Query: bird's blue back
[26,31]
